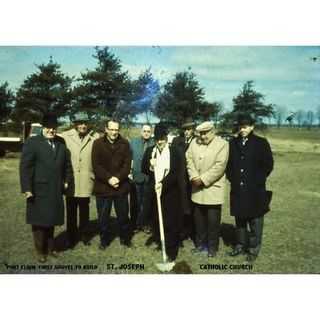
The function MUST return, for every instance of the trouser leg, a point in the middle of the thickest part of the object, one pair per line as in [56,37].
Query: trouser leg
[121,206]
[84,217]
[255,235]
[72,205]
[38,233]
[104,209]
[214,219]
[241,233]
[200,219]
[147,207]
[50,239]
[133,205]
[140,212]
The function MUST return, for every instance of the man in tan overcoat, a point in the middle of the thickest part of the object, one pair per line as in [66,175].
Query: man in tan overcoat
[79,141]
[207,158]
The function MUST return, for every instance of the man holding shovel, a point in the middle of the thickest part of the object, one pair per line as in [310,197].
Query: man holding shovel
[164,166]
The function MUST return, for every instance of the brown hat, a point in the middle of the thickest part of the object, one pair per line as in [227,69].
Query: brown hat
[188,123]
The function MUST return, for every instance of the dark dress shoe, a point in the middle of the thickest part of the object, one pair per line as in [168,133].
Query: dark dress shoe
[126,243]
[86,242]
[251,257]
[212,253]
[236,251]
[70,244]
[42,259]
[150,241]
[103,245]
[199,250]
[53,254]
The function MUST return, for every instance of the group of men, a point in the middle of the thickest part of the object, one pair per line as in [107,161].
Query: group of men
[189,173]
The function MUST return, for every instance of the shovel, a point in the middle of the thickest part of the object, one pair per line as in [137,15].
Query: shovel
[164,266]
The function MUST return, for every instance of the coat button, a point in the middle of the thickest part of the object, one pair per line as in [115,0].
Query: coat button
[241,183]
[242,157]
[241,170]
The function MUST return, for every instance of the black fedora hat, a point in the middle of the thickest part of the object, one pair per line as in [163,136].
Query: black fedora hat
[49,120]
[188,123]
[244,119]
[160,131]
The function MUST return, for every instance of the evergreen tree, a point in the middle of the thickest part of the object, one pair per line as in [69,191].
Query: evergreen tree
[250,101]
[47,90]
[6,101]
[100,90]
[181,97]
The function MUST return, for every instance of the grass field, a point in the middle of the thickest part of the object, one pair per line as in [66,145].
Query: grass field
[291,242]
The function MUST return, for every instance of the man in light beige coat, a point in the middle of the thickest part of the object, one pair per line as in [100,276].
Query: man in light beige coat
[79,141]
[207,158]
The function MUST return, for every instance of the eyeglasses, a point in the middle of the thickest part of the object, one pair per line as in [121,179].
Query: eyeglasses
[203,133]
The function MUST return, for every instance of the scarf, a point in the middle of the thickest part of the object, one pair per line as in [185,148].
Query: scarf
[162,166]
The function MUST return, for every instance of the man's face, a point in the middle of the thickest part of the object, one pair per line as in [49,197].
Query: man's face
[206,136]
[49,133]
[146,132]
[188,133]
[245,130]
[161,144]
[82,128]
[112,130]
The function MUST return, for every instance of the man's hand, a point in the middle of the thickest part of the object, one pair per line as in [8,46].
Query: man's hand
[28,194]
[114,182]
[158,187]
[197,182]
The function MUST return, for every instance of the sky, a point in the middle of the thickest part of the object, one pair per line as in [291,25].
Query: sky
[286,75]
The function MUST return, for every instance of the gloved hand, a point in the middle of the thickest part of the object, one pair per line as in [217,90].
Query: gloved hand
[158,187]
[197,183]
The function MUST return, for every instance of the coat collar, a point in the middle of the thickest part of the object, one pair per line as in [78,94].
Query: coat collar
[74,135]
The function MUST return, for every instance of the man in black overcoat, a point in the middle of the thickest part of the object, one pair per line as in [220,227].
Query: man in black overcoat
[45,173]
[250,163]
[170,172]
[182,143]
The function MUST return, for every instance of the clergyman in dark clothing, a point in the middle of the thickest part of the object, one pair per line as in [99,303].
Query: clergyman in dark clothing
[45,173]
[165,164]
[250,163]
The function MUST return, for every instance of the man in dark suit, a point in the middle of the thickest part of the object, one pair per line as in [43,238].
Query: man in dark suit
[139,196]
[182,144]
[45,172]
[111,162]
[250,163]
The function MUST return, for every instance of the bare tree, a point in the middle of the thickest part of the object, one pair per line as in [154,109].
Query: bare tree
[310,118]
[299,117]
[318,115]
[279,114]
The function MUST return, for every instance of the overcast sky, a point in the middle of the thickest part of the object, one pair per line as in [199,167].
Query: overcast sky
[287,76]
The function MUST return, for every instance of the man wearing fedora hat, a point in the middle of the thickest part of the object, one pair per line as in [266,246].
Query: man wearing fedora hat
[163,164]
[182,144]
[79,141]
[250,163]
[207,158]
[45,173]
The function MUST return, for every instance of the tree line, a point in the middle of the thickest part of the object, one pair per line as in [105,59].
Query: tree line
[109,91]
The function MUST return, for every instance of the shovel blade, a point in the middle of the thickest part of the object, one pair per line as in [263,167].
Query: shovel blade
[165,266]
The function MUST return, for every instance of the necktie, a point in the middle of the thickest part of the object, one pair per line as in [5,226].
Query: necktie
[51,143]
